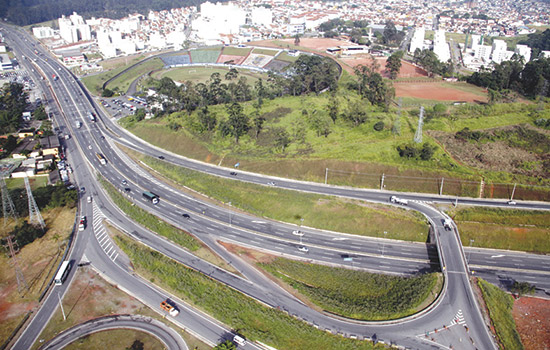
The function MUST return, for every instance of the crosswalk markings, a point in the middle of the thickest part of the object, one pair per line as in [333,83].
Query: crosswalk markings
[101,234]
[458,319]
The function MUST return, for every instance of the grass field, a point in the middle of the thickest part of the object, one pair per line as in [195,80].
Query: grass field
[284,56]
[267,52]
[322,212]
[252,319]
[94,83]
[499,305]
[38,261]
[116,339]
[504,228]
[202,74]
[122,82]
[357,294]
[35,182]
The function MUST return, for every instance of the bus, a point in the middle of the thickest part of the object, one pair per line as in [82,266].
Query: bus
[101,158]
[62,273]
[150,196]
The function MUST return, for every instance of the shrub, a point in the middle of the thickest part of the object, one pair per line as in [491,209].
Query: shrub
[379,126]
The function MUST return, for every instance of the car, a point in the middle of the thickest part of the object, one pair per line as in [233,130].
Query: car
[271,183]
[185,215]
[346,257]
[237,339]
[166,305]
[512,203]
[124,182]
[89,199]
[127,189]
[297,233]
[303,249]
[233,173]
[161,157]
[82,189]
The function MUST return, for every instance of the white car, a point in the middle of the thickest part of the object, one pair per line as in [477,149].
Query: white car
[512,203]
[89,199]
[303,249]
[271,183]
[297,233]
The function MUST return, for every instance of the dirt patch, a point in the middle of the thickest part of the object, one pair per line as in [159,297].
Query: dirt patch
[434,91]
[250,256]
[532,317]
[494,156]
[229,59]
[408,70]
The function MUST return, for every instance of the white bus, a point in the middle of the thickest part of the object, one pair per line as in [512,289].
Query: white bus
[62,273]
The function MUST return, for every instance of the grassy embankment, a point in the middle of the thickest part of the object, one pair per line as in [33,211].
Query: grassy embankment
[499,305]
[122,83]
[357,294]
[322,212]
[153,223]
[360,154]
[38,261]
[116,339]
[252,319]
[511,229]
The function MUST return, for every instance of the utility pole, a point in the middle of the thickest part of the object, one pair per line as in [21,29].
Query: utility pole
[21,282]
[513,191]
[441,187]
[382,182]
[326,175]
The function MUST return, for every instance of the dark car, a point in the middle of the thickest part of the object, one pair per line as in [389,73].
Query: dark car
[127,189]
[234,173]
[161,157]
[185,215]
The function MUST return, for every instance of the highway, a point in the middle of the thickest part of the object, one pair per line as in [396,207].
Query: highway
[210,223]
[166,335]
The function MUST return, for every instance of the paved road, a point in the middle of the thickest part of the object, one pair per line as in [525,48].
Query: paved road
[170,339]
[173,203]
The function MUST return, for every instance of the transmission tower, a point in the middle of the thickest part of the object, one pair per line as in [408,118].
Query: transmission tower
[418,134]
[8,208]
[34,213]
[396,130]
[21,282]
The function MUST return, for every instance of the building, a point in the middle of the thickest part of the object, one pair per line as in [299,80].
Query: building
[441,48]
[42,32]
[417,40]
[73,29]
[50,146]
[261,16]
[5,62]
[483,52]
[3,47]
[73,58]
[498,53]
[523,51]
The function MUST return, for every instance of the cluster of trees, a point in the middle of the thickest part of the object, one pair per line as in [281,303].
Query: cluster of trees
[36,11]
[308,74]
[531,79]
[358,30]
[410,151]
[538,42]
[13,102]
[428,60]
[393,64]
[372,86]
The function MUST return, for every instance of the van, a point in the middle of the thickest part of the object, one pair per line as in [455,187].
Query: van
[237,339]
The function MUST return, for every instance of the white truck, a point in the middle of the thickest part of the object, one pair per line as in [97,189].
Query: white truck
[167,306]
[448,224]
[397,200]
[78,124]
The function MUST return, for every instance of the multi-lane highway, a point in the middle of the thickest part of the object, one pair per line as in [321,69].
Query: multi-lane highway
[211,223]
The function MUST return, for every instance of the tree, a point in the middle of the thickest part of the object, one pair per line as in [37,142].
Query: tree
[379,126]
[107,93]
[393,64]
[237,123]
[40,113]
[372,86]
[136,345]
[226,345]
[207,120]
[258,121]
[356,113]
[333,108]
[232,74]
[522,288]
[311,73]
[282,138]
[297,40]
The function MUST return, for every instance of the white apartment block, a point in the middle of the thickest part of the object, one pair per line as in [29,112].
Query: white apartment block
[261,16]
[483,52]
[475,41]
[42,32]
[441,48]
[524,51]
[417,40]
[74,29]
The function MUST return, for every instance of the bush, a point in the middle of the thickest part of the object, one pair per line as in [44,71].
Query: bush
[410,151]
[25,233]
[379,126]
[107,93]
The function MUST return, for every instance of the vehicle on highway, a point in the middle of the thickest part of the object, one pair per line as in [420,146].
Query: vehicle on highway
[346,257]
[150,196]
[512,203]
[91,116]
[89,199]
[62,273]
[297,233]
[78,124]
[82,189]
[234,173]
[396,200]
[101,158]
[237,339]
[167,306]
[124,182]
[271,183]
[127,189]
[185,215]
[161,157]
[303,249]
[82,224]
[448,224]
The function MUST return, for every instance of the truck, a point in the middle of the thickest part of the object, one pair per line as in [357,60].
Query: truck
[91,116]
[150,196]
[397,200]
[166,305]
[78,124]
[82,224]
[448,224]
